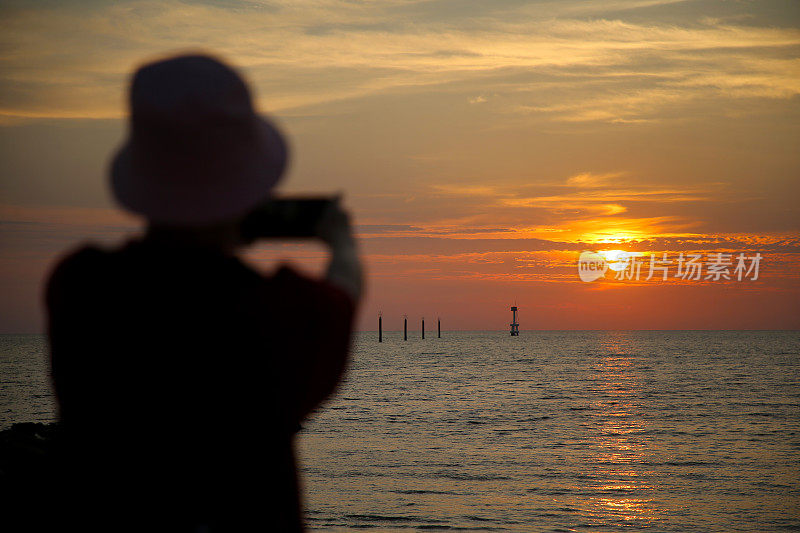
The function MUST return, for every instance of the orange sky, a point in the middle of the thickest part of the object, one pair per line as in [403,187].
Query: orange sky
[481,146]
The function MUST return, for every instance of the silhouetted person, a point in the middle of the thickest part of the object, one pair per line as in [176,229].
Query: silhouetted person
[181,374]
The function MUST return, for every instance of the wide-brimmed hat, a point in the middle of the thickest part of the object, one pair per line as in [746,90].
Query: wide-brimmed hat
[197,153]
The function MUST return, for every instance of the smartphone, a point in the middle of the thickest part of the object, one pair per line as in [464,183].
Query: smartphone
[285,217]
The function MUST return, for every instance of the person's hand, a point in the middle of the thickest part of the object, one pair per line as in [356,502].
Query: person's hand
[334,227]
[344,269]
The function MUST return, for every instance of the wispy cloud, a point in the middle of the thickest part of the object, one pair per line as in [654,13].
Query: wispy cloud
[589,179]
[585,207]
[312,52]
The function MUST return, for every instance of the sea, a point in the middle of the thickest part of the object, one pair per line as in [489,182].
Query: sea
[550,431]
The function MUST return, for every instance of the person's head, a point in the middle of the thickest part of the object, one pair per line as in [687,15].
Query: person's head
[198,157]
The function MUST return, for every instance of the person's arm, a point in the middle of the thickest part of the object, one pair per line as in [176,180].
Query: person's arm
[334,304]
[344,268]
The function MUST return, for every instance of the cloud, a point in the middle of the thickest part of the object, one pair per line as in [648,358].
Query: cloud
[74,60]
[455,189]
[51,229]
[380,229]
[589,179]
[585,206]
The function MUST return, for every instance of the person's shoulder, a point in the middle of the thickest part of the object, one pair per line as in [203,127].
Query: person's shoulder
[82,262]
[79,257]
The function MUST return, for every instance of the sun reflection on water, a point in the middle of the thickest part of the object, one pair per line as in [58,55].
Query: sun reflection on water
[622,451]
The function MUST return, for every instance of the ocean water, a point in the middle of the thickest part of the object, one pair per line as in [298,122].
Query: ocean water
[25,391]
[549,431]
